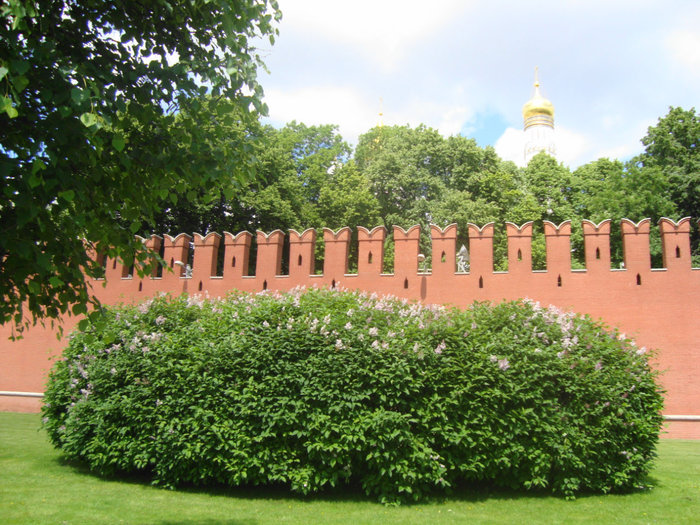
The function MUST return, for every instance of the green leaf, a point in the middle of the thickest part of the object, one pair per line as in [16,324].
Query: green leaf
[55,281]
[6,106]
[20,83]
[37,166]
[78,95]
[34,181]
[34,287]
[3,72]
[67,195]
[20,67]
[118,142]
[88,119]
[79,309]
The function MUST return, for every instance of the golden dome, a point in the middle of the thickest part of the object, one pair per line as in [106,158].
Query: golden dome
[538,106]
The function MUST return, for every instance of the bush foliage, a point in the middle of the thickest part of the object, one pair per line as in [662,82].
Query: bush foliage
[319,388]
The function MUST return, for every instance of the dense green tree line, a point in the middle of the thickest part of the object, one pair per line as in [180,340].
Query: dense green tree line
[398,175]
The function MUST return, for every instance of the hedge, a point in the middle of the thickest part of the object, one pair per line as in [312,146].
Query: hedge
[323,388]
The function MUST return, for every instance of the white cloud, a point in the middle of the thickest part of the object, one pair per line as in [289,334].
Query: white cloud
[382,30]
[315,105]
[447,117]
[684,46]
[571,146]
[621,151]
[510,146]
[452,120]
[622,142]
[355,113]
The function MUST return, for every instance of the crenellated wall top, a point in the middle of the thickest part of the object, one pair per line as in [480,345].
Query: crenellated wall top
[270,252]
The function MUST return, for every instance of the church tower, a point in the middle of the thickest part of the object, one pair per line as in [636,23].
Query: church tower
[538,121]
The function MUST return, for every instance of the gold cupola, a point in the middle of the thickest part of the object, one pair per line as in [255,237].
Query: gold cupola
[538,110]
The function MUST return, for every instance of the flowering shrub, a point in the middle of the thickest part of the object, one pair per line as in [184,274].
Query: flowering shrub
[319,388]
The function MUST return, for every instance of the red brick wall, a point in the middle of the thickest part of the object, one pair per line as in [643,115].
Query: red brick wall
[660,308]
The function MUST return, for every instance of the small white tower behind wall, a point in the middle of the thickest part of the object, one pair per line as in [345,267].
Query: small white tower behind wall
[538,121]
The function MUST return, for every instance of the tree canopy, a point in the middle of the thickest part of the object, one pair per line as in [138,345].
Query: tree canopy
[102,125]
[672,147]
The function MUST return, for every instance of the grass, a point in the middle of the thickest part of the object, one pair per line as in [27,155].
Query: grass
[37,486]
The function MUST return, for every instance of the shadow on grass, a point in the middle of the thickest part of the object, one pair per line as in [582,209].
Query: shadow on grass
[465,492]
[472,492]
[268,492]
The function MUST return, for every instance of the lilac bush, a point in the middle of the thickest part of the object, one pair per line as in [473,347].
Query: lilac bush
[321,388]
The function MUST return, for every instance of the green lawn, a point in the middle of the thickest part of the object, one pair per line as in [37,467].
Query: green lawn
[37,487]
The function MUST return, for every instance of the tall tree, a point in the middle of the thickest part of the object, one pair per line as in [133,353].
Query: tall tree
[295,165]
[406,169]
[346,200]
[673,146]
[88,145]
[615,190]
[296,162]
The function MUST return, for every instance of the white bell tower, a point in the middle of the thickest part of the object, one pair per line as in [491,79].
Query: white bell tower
[538,122]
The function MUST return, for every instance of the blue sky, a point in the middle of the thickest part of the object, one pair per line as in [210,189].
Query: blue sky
[611,68]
